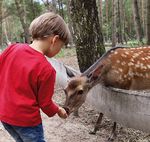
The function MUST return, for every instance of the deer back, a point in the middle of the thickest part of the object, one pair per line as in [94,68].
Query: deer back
[125,68]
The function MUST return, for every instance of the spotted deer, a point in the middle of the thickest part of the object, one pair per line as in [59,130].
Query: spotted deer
[124,68]
[120,67]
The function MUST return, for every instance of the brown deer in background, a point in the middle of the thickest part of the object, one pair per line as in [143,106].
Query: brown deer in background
[124,68]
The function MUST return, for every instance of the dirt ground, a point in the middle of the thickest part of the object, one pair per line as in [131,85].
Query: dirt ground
[76,129]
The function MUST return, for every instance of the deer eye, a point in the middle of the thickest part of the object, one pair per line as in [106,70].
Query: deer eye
[80,92]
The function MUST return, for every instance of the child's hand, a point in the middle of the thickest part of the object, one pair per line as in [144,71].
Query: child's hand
[62,113]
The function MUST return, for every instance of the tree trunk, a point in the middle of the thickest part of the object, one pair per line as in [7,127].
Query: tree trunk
[61,9]
[123,16]
[50,6]
[54,3]
[114,26]
[143,8]
[33,9]
[137,21]
[143,17]
[21,7]
[119,21]
[148,22]
[107,20]
[6,34]
[70,25]
[100,12]
[87,30]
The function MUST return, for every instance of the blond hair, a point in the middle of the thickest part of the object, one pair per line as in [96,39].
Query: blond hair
[49,24]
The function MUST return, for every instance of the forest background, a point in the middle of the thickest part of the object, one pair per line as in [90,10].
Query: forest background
[94,24]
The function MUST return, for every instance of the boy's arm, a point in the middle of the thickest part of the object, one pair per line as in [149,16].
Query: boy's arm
[45,93]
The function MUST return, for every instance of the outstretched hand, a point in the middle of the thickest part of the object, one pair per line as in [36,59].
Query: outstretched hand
[62,113]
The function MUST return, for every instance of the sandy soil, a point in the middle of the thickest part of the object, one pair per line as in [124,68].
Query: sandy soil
[76,129]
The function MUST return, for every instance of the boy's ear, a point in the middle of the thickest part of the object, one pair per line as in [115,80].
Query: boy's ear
[55,38]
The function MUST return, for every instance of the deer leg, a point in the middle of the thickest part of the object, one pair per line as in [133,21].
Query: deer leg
[113,133]
[97,125]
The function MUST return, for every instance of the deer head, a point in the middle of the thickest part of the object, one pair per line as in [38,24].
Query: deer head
[76,92]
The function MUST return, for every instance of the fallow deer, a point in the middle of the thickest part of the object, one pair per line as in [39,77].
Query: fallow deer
[124,68]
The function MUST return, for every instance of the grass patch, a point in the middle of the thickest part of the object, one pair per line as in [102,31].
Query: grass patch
[136,43]
[66,52]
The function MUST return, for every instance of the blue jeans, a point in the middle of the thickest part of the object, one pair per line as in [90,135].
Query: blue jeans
[25,134]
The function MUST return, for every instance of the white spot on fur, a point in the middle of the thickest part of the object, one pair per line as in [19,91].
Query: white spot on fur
[141,51]
[141,75]
[116,71]
[118,61]
[135,55]
[130,74]
[146,75]
[144,67]
[121,70]
[141,65]
[130,64]
[137,65]
[120,78]
[148,66]
[123,63]
[123,55]
[129,78]
[127,53]
[132,59]
[138,62]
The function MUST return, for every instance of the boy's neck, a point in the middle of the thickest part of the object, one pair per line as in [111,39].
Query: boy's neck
[39,45]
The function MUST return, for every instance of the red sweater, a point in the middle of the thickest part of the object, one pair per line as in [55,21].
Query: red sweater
[26,86]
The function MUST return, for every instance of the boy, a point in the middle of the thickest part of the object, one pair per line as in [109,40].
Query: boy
[27,79]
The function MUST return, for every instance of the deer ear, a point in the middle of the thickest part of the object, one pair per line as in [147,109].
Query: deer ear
[95,74]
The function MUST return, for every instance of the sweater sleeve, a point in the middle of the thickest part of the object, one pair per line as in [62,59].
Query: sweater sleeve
[45,92]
